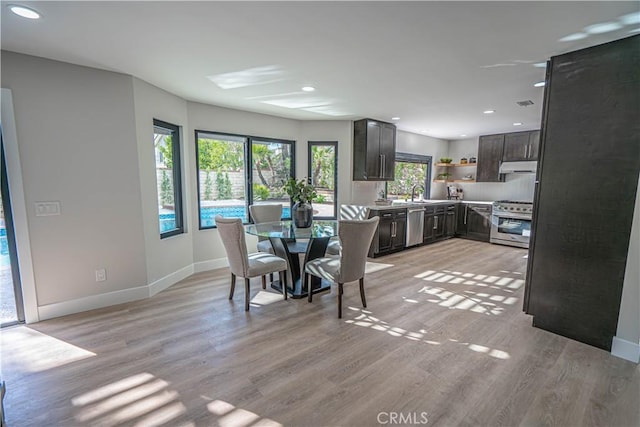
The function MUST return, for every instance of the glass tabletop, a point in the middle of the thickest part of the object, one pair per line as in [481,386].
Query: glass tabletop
[286,229]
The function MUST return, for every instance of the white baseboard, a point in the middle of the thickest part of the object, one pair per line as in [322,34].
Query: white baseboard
[626,350]
[93,302]
[211,264]
[170,279]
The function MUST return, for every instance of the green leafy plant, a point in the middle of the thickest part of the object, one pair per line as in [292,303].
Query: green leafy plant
[260,192]
[208,187]
[300,191]
[166,189]
[223,183]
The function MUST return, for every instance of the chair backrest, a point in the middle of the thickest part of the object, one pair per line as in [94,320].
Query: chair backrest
[354,212]
[265,213]
[355,239]
[232,235]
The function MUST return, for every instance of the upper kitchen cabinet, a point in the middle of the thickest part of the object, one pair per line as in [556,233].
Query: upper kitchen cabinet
[521,146]
[490,152]
[374,150]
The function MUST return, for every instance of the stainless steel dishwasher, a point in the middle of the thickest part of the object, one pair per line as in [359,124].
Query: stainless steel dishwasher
[415,226]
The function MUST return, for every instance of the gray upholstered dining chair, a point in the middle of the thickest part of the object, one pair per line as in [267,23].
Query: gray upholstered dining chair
[242,263]
[355,237]
[265,213]
[347,212]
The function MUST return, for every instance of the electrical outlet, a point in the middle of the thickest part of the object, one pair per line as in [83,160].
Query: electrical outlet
[101,275]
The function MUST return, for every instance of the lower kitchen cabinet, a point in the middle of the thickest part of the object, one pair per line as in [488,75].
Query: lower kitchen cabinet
[439,223]
[474,221]
[391,234]
[450,221]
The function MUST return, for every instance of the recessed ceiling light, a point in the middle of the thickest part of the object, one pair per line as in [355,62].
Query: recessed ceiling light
[464,134]
[25,12]
[308,88]
[489,111]
[395,118]
[539,84]
[517,124]
[540,65]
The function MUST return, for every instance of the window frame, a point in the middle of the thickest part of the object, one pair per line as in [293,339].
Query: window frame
[176,143]
[416,158]
[248,167]
[310,145]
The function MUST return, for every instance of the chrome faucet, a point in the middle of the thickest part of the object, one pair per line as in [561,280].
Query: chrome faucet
[413,190]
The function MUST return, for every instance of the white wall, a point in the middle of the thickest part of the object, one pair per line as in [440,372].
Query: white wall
[337,130]
[164,257]
[76,137]
[626,344]
[516,186]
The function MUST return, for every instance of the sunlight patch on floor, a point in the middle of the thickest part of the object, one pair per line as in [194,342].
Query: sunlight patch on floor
[366,320]
[142,398]
[33,351]
[471,279]
[232,416]
[478,302]
[265,298]
[372,267]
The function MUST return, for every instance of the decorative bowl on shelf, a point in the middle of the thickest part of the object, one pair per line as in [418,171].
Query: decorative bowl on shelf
[446,159]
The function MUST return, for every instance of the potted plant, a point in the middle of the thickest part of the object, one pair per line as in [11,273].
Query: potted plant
[302,194]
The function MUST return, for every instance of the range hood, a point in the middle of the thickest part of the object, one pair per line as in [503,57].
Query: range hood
[518,167]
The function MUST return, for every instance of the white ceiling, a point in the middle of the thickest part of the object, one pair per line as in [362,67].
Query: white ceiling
[436,65]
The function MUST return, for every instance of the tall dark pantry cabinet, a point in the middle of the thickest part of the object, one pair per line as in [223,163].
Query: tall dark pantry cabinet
[585,191]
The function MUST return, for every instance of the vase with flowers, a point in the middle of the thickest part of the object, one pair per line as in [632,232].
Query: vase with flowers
[302,194]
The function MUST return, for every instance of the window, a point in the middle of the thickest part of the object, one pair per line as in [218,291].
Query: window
[166,142]
[410,170]
[227,162]
[323,173]
[271,168]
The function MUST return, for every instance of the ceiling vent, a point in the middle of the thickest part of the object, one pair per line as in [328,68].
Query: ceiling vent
[525,103]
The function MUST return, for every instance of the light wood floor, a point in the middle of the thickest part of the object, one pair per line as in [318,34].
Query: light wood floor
[443,335]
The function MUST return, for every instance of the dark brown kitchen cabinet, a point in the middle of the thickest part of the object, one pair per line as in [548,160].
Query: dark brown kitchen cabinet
[439,223]
[490,150]
[450,221]
[391,234]
[429,230]
[582,217]
[374,150]
[521,146]
[474,221]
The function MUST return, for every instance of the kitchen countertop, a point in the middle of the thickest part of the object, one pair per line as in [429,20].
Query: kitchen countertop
[424,203]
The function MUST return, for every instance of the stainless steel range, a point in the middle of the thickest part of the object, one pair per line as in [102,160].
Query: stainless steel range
[511,223]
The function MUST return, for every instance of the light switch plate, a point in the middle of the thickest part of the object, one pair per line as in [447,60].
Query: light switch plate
[47,208]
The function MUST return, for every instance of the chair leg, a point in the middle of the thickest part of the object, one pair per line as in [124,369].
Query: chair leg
[307,286]
[339,300]
[364,300]
[233,285]
[271,277]
[264,282]
[283,283]
[246,294]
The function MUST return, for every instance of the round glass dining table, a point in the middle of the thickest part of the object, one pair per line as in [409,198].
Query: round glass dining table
[289,242]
